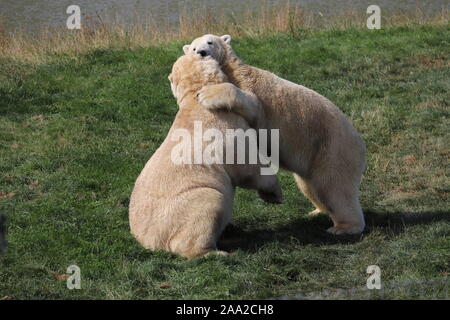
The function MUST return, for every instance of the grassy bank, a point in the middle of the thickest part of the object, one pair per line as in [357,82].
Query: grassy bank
[75,132]
[102,30]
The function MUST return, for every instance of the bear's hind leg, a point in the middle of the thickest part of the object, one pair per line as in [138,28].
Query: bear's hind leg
[207,211]
[306,188]
[347,218]
[339,196]
[342,200]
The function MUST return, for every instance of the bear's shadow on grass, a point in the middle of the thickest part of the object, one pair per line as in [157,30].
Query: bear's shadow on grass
[312,231]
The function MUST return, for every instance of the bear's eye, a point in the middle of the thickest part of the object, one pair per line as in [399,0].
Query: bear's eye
[193,49]
[209,42]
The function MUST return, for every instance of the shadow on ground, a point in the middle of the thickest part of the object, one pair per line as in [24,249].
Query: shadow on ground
[312,231]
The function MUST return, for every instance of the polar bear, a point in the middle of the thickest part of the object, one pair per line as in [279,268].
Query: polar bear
[182,207]
[317,142]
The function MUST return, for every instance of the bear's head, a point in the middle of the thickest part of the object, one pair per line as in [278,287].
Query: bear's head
[210,45]
[191,72]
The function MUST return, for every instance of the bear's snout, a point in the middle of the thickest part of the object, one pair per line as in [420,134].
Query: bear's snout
[203,53]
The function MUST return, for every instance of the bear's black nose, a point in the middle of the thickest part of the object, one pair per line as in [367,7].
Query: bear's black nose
[202,53]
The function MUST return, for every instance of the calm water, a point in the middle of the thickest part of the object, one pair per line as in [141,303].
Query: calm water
[31,14]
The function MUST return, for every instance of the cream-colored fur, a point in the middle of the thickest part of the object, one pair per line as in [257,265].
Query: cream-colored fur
[183,208]
[317,142]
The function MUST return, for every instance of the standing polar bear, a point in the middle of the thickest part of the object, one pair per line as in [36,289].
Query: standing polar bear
[183,207]
[317,142]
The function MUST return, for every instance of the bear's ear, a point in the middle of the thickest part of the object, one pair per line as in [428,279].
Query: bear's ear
[226,38]
[186,48]
[170,77]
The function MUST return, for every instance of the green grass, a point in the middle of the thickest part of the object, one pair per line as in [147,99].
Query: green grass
[76,131]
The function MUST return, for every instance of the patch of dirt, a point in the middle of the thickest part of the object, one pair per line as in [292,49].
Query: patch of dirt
[430,62]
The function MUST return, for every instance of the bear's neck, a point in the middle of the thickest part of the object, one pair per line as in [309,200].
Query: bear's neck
[238,73]
[186,98]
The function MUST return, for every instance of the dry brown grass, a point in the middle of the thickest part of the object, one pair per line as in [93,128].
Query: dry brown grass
[419,173]
[429,62]
[108,31]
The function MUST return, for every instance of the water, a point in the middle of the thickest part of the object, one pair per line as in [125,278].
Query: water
[32,14]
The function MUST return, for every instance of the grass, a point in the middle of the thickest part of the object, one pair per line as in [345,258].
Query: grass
[76,130]
[108,30]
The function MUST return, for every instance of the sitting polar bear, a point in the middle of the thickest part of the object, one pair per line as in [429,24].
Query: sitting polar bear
[317,142]
[182,207]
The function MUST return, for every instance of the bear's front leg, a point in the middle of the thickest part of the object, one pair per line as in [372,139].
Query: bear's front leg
[218,96]
[228,96]
[269,189]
